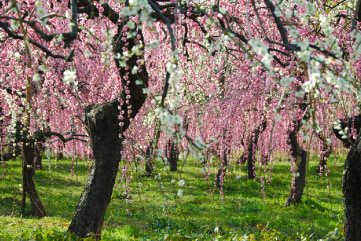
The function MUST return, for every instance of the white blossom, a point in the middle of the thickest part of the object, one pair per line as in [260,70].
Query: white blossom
[131,24]
[180,193]
[58,38]
[153,44]
[135,70]
[300,2]
[286,81]
[2,36]
[181,183]
[310,8]
[337,125]
[36,77]
[258,46]
[267,61]
[69,76]
[293,33]
[304,55]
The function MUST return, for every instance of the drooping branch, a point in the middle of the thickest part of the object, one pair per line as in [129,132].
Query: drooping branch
[40,135]
[281,28]
[48,53]
[22,135]
[166,21]
[68,37]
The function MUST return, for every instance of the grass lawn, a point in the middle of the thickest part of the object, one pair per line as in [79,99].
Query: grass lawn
[154,211]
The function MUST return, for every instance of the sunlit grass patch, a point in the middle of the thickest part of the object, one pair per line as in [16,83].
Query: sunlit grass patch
[155,211]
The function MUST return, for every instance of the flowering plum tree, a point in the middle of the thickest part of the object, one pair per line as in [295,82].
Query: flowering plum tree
[233,68]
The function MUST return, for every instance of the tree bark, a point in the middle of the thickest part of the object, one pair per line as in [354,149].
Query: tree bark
[172,153]
[37,208]
[252,146]
[223,168]
[38,165]
[103,126]
[106,124]
[351,180]
[12,153]
[298,155]
[296,192]
[325,152]
[152,146]
[351,189]
[149,164]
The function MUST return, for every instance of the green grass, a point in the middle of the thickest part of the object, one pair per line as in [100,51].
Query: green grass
[155,212]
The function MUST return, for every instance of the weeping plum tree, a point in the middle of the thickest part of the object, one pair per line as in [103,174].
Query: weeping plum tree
[105,122]
[102,121]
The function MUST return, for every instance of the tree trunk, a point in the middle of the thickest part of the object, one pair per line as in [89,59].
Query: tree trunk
[223,168]
[38,165]
[149,164]
[252,146]
[325,152]
[103,127]
[172,153]
[351,180]
[351,189]
[296,192]
[251,161]
[152,146]
[37,208]
[106,124]
[298,155]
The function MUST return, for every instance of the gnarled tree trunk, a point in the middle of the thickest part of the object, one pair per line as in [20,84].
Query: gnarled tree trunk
[296,192]
[28,185]
[38,165]
[325,152]
[172,152]
[223,168]
[103,126]
[252,146]
[351,180]
[152,146]
[103,123]
[23,139]
[351,189]
[298,155]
